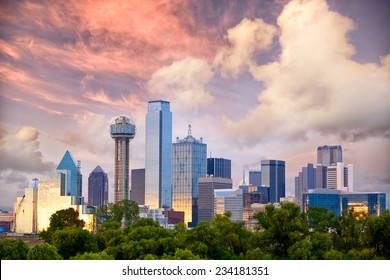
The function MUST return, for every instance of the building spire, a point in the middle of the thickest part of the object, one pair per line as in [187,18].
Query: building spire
[189,130]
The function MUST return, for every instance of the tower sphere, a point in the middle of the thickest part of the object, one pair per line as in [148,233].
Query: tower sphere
[122,127]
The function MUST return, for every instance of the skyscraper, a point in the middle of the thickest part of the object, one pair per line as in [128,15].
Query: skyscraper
[273,176]
[122,130]
[158,155]
[219,167]
[306,180]
[188,164]
[73,183]
[326,156]
[206,187]
[137,193]
[97,187]
[255,177]
[229,200]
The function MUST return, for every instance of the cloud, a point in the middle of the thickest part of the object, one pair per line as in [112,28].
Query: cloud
[245,39]
[20,152]
[315,85]
[184,82]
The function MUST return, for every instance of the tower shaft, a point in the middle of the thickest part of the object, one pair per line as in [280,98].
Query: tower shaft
[121,184]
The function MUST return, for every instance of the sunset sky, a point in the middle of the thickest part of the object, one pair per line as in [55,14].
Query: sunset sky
[256,79]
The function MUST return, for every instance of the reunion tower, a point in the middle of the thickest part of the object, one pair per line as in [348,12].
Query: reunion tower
[122,130]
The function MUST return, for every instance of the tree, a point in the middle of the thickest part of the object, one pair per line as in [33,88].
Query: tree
[281,228]
[71,241]
[13,250]
[93,256]
[320,219]
[61,219]
[43,252]
[377,234]
[124,211]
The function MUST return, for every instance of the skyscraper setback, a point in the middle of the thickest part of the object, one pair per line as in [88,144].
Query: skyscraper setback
[158,155]
[122,130]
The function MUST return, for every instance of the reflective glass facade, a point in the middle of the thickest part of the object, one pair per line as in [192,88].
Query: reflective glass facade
[219,167]
[73,182]
[137,193]
[229,200]
[255,177]
[188,164]
[158,155]
[273,175]
[340,202]
[97,187]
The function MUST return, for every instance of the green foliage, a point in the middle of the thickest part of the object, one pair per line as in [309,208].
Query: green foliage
[282,233]
[93,256]
[43,252]
[62,219]
[13,250]
[71,241]
[281,228]
[377,234]
[123,211]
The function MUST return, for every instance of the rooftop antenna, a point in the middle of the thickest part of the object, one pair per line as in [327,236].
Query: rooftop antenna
[243,177]
[189,129]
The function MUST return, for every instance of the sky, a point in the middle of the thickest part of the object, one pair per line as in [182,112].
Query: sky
[256,79]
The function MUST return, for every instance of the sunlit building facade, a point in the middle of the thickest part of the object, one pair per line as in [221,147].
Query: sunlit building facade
[340,202]
[34,209]
[273,176]
[229,200]
[158,155]
[188,165]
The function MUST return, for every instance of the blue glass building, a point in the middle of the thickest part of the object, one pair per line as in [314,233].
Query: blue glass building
[188,165]
[219,167]
[340,202]
[158,155]
[73,179]
[273,176]
[255,177]
[97,187]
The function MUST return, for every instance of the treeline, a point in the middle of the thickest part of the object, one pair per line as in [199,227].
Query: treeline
[282,233]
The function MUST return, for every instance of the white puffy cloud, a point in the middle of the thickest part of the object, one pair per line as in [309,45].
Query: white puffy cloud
[315,85]
[20,151]
[245,39]
[184,82]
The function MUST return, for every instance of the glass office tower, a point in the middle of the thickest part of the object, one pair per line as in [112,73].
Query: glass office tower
[219,167]
[97,187]
[158,155]
[73,178]
[189,160]
[273,176]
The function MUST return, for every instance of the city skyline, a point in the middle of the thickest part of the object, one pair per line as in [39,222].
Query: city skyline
[257,79]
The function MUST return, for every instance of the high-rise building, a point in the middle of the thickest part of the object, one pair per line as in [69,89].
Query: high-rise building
[122,130]
[206,187]
[73,178]
[137,193]
[219,167]
[306,180]
[97,187]
[340,202]
[229,200]
[348,177]
[158,155]
[273,176]
[188,165]
[326,156]
[255,177]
